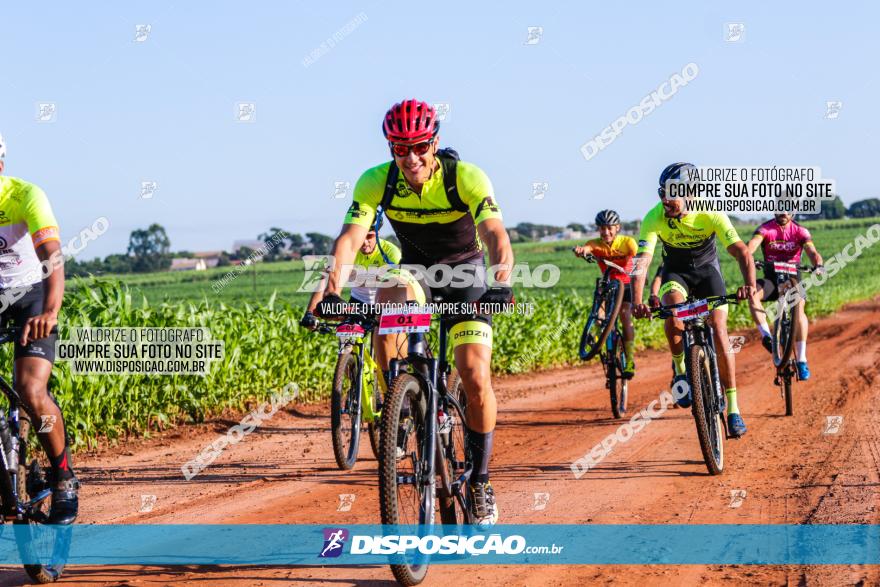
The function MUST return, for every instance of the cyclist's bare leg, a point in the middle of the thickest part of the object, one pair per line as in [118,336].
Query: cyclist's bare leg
[673,326]
[32,385]
[801,324]
[629,333]
[756,307]
[473,364]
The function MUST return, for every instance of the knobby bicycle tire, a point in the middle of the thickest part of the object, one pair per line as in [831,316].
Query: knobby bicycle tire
[615,381]
[345,443]
[60,536]
[405,390]
[455,451]
[783,335]
[787,393]
[610,320]
[707,420]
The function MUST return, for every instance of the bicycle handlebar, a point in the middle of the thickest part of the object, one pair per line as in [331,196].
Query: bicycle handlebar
[712,302]
[329,327]
[769,265]
[589,258]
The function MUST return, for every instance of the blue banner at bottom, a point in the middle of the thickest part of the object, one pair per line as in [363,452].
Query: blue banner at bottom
[504,544]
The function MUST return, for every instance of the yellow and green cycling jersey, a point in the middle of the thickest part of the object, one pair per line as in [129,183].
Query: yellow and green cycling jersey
[688,241]
[373,260]
[26,222]
[429,228]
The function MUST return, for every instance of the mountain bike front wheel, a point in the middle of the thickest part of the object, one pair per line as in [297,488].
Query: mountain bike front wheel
[617,385]
[596,330]
[405,498]
[710,425]
[345,411]
[783,337]
[50,545]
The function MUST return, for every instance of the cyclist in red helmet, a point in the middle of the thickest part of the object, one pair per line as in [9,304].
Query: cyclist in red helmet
[443,211]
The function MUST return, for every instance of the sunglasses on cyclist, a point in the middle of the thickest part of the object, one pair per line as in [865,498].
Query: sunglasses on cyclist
[403,150]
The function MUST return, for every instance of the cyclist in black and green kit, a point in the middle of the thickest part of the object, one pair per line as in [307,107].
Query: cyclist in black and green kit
[690,267]
[443,212]
[30,241]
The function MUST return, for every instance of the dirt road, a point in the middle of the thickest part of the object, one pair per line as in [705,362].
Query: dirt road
[790,469]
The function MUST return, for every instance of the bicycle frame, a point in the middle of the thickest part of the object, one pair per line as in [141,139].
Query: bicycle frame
[433,373]
[605,295]
[700,332]
[367,365]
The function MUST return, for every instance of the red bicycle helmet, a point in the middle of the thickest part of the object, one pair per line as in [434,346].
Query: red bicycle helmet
[410,122]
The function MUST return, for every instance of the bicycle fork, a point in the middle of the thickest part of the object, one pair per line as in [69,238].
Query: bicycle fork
[690,339]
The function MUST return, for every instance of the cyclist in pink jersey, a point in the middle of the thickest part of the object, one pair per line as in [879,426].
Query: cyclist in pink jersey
[782,240]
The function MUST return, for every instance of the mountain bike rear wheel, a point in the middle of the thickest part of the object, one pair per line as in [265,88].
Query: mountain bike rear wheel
[453,445]
[787,394]
[710,425]
[404,497]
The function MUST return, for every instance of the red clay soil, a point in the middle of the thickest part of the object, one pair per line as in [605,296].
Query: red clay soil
[791,470]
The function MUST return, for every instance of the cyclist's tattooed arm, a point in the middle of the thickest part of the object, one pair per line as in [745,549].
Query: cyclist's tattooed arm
[497,243]
[740,252]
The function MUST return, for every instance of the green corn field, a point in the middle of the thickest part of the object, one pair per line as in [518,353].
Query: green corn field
[265,348]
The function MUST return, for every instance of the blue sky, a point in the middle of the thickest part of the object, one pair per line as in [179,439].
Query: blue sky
[164,109]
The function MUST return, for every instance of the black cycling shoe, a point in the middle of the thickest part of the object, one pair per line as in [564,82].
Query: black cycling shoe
[768,344]
[65,503]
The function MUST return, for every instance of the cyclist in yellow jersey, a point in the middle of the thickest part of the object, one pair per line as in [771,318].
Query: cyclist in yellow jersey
[620,250]
[369,256]
[443,212]
[690,267]
[30,241]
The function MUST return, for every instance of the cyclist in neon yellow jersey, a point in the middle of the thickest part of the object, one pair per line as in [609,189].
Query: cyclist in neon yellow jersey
[29,241]
[690,266]
[369,256]
[441,210]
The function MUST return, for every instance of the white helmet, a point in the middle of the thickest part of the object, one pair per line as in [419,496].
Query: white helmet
[2,147]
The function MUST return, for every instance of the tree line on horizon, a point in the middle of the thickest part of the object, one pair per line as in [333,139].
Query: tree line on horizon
[149,249]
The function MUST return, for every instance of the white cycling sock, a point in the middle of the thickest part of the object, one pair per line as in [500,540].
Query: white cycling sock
[800,347]
[764,330]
